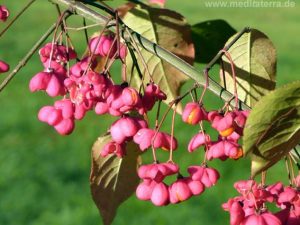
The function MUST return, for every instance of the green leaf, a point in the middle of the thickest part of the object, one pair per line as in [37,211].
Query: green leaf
[273,127]
[254,56]
[169,30]
[113,180]
[209,37]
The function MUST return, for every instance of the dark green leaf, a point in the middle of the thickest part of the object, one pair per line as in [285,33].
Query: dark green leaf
[209,37]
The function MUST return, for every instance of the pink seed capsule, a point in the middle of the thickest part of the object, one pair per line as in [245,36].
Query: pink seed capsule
[65,127]
[128,126]
[145,189]
[210,177]
[101,108]
[4,67]
[143,138]
[245,186]
[196,172]
[40,81]
[270,219]
[130,97]
[45,112]
[275,189]
[179,191]
[80,111]
[200,139]
[55,87]
[231,149]
[288,195]
[225,124]
[144,170]
[193,113]
[294,217]
[240,118]
[113,148]
[195,186]
[54,117]
[216,150]
[67,108]
[116,133]
[4,13]
[237,214]
[160,195]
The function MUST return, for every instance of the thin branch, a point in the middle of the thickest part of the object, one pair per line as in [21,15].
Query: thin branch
[16,17]
[27,57]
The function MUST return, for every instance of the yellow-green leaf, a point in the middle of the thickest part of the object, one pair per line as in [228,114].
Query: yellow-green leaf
[254,56]
[113,180]
[169,30]
[273,127]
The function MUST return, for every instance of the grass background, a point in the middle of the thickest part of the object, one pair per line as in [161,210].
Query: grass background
[44,177]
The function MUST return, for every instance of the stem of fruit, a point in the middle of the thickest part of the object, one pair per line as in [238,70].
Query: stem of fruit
[172,135]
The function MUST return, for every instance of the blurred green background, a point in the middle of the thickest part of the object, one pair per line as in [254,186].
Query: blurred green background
[44,177]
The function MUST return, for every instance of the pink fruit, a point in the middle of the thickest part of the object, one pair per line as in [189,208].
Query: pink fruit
[157,172]
[113,148]
[195,186]
[4,13]
[288,195]
[196,172]
[160,195]
[67,108]
[245,186]
[216,150]
[65,127]
[4,67]
[40,81]
[130,97]
[200,139]
[179,191]
[223,124]
[193,113]
[237,214]
[210,177]
[45,112]
[145,189]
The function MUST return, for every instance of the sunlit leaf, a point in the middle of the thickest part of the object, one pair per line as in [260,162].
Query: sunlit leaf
[113,180]
[254,56]
[171,31]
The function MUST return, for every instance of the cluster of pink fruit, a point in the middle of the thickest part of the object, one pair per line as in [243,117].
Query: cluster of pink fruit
[83,88]
[229,125]
[153,188]
[4,14]
[129,128]
[250,207]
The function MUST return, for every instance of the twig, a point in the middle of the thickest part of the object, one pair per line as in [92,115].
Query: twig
[16,17]
[27,57]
